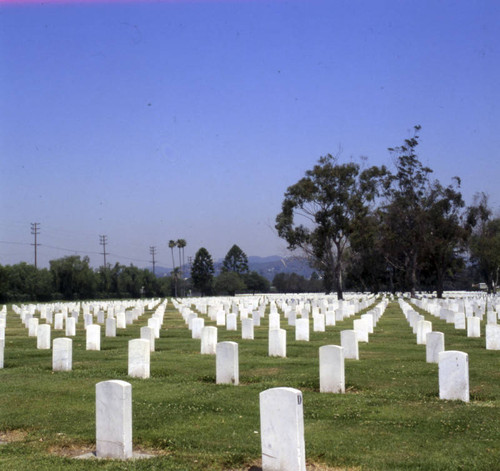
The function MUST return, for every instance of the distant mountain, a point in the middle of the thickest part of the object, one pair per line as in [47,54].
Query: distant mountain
[265,266]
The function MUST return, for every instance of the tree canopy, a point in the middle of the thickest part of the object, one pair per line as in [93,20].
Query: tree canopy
[235,261]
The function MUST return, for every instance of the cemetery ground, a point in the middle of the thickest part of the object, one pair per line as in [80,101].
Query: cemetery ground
[390,418]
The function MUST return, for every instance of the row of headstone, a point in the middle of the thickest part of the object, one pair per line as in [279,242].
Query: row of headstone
[453,366]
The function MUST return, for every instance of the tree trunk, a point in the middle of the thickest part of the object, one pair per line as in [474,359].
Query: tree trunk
[413,274]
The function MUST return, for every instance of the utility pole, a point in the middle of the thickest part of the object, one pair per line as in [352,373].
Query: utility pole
[152,251]
[35,230]
[103,240]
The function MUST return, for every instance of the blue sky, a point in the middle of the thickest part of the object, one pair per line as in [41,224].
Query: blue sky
[150,121]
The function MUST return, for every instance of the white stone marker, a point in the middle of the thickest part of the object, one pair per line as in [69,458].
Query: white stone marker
[138,358]
[434,346]
[473,327]
[247,329]
[423,328]
[208,340]
[277,343]
[274,321]
[256,318]
[492,337]
[360,326]
[43,337]
[121,322]
[110,327]
[221,318]
[231,322]
[148,333]
[302,329]
[114,419]
[459,320]
[70,327]
[62,354]
[331,369]
[59,321]
[454,376]
[197,325]
[330,317]
[319,323]
[282,430]
[349,342]
[93,332]
[33,327]
[2,352]
[227,363]
[154,323]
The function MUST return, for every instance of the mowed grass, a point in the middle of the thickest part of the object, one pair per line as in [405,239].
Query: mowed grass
[390,418]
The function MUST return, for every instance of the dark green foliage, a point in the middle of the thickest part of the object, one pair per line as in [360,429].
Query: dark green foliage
[256,283]
[202,271]
[72,278]
[485,241]
[229,282]
[235,261]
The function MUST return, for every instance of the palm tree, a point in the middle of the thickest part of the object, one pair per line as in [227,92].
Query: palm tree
[181,243]
[172,244]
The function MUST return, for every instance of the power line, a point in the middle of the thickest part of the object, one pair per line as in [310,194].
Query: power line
[103,239]
[152,251]
[35,230]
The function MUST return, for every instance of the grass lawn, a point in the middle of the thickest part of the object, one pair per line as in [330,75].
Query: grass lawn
[390,418]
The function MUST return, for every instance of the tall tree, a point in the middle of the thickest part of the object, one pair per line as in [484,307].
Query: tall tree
[202,271]
[320,213]
[172,244]
[235,260]
[403,216]
[181,243]
[445,237]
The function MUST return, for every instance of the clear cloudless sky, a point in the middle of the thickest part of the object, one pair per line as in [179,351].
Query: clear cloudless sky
[155,120]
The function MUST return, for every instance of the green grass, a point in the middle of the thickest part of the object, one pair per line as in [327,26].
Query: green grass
[390,418]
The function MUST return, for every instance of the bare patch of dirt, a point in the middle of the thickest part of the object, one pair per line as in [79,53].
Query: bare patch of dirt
[10,436]
[69,450]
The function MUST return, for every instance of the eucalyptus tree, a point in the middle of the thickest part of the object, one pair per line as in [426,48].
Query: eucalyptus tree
[321,211]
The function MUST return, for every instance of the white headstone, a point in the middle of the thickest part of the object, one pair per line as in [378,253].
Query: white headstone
[274,321]
[473,327]
[434,346]
[319,323]
[62,354]
[302,329]
[148,334]
[231,322]
[247,329]
[70,327]
[208,340]
[110,327]
[114,419]
[2,352]
[331,369]
[197,325]
[277,343]
[93,337]
[33,327]
[454,376]
[282,430]
[423,328]
[349,342]
[43,337]
[226,363]
[492,337]
[59,321]
[138,358]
